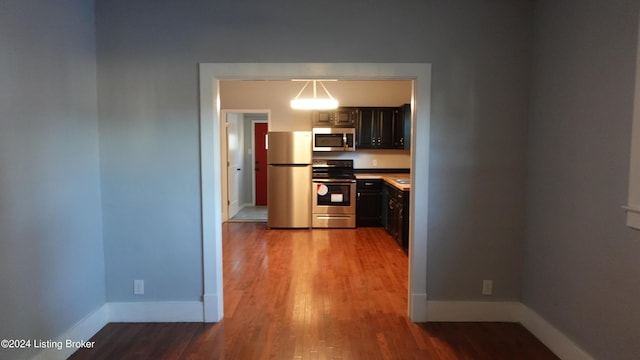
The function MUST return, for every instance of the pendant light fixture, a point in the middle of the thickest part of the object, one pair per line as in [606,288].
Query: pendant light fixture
[315,102]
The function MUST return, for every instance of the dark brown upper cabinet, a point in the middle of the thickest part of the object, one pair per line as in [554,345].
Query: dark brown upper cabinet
[383,127]
[375,127]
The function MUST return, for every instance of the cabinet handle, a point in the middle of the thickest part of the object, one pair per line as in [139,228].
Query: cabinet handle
[358,196]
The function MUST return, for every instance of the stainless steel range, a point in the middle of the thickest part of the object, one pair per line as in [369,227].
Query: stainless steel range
[334,194]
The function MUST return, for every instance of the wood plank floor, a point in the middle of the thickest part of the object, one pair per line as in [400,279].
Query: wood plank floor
[321,294]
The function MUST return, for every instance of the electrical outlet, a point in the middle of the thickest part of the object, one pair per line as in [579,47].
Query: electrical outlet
[487,287]
[374,162]
[138,287]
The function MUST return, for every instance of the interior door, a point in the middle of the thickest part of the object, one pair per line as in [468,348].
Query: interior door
[234,161]
[260,151]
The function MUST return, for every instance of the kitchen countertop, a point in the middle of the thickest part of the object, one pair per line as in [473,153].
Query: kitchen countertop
[389,178]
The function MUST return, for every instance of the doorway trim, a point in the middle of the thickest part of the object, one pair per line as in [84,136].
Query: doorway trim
[210,166]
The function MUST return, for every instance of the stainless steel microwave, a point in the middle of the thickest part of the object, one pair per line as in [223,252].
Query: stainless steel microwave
[334,139]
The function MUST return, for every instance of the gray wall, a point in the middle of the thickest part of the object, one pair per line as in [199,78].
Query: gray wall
[147,75]
[581,265]
[51,254]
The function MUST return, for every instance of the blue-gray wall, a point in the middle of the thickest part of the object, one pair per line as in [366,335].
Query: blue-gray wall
[51,250]
[582,263]
[148,52]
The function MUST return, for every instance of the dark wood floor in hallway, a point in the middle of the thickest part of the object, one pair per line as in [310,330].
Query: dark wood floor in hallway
[321,294]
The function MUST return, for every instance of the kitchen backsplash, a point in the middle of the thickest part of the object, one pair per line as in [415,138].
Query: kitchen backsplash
[371,159]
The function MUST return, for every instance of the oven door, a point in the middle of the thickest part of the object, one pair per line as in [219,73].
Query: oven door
[334,197]
[334,203]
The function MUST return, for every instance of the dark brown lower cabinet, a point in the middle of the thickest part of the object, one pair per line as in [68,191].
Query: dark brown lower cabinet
[396,220]
[369,203]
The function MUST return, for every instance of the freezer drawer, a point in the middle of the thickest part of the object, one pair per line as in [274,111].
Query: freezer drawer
[289,196]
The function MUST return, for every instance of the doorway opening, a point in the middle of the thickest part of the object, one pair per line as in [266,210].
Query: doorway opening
[210,137]
[244,180]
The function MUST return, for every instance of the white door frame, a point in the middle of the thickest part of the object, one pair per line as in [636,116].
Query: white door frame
[212,73]
[236,123]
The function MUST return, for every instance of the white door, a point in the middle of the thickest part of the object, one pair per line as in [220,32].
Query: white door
[234,161]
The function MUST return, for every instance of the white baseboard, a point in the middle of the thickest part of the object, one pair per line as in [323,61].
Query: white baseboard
[419,306]
[81,331]
[473,311]
[168,311]
[213,308]
[162,311]
[553,338]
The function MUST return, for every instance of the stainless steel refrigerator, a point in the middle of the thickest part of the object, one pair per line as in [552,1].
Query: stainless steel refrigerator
[289,179]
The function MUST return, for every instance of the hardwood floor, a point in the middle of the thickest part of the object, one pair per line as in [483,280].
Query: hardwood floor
[321,294]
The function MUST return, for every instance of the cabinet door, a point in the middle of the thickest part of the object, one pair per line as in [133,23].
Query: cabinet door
[368,208]
[392,218]
[404,221]
[400,232]
[382,128]
[341,117]
[369,203]
[384,207]
[402,128]
[389,224]
[397,216]
[321,118]
[385,127]
[365,137]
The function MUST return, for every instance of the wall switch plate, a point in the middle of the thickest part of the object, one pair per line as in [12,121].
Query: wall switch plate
[487,287]
[138,287]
